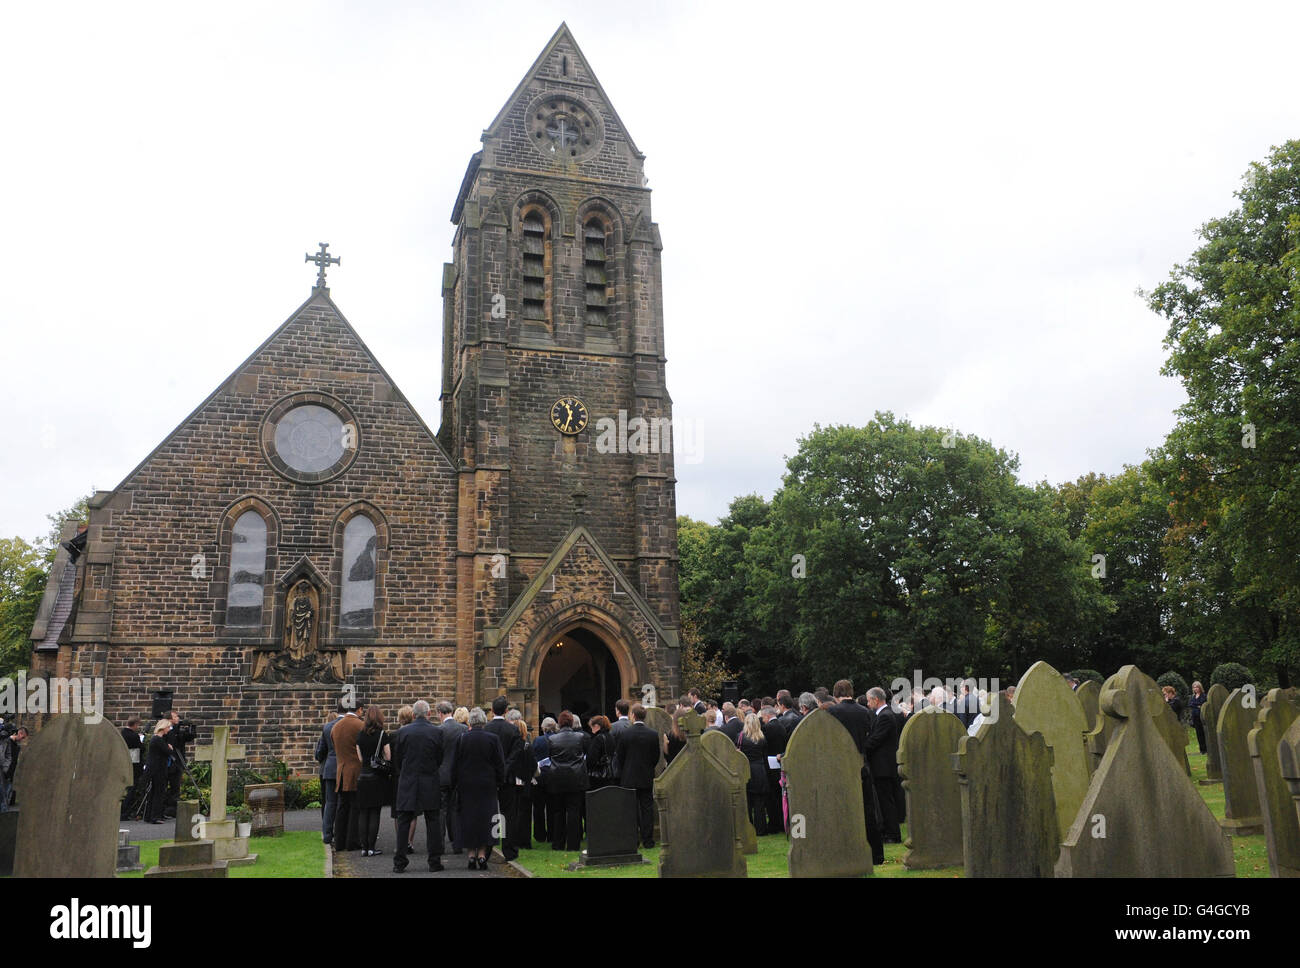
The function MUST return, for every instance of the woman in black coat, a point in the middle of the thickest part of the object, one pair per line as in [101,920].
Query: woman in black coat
[480,768]
[567,783]
[155,769]
[373,789]
[1195,703]
[754,745]
[600,754]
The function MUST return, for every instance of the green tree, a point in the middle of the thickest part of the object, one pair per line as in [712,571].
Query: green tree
[22,584]
[1231,462]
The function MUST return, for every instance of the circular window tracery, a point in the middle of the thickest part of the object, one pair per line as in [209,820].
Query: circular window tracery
[310,437]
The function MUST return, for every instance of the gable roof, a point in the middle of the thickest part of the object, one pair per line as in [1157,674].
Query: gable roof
[318,295]
[565,36]
[577,534]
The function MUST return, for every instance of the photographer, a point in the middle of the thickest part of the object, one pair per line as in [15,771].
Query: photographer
[182,732]
[9,750]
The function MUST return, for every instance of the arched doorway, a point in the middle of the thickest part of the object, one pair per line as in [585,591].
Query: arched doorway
[579,673]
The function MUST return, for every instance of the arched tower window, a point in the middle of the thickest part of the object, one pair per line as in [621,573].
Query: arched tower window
[357,602]
[244,595]
[536,266]
[595,259]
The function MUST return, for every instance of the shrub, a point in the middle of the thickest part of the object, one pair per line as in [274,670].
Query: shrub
[310,792]
[1177,681]
[1083,675]
[1231,675]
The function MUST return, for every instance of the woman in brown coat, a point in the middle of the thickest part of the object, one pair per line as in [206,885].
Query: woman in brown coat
[344,737]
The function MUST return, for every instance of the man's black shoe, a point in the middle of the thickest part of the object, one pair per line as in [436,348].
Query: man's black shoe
[399,870]
[435,866]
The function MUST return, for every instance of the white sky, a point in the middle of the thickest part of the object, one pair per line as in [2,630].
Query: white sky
[940,210]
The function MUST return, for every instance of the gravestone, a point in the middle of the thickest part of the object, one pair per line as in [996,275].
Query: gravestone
[738,765]
[659,720]
[1098,740]
[1046,704]
[1277,713]
[1140,817]
[128,854]
[612,833]
[194,858]
[1089,693]
[697,800]
[1241,808]
[70,782]
[8,841]
[1288,755]
[1008,810]
[925,748]
[266,803]
[221,831]
[823,774]
[1170,726]
[1214,700]
[186,828]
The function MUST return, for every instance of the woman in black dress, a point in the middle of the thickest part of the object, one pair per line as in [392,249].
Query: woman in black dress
[155,770]
[676,738]
[480,768]
[754,745]
[1196,702]
[600,754]
[373,788]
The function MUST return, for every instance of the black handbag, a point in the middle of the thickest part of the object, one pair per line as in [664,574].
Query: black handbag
[378,765]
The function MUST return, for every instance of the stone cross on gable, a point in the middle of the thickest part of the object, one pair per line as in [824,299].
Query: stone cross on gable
[219,754]
[322,259]
[692,724]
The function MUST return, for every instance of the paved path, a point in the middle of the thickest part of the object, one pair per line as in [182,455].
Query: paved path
[352,864]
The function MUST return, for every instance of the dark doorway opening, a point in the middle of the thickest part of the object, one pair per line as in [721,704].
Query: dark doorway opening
[579,674]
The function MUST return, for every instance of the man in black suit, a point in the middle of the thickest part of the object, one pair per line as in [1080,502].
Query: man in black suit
[329,765]
[417,757]
[511,744]
[857,720]
[639,755]
[618,727]
[451,733]
[789,712]
[697,701]
[731,723]
[882,757]
[776,738]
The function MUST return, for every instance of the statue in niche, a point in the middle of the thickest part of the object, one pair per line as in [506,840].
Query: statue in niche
[299,658]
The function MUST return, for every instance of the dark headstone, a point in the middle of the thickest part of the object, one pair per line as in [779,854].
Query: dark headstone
[1279,710]
[929,739]
[1214,700]
[612,832]
[1140,817]
[823,771]
[266,802]
[72,778]
[697,803]
[1241,810]
[1008,810]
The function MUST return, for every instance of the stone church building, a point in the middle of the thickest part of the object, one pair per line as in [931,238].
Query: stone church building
[305,534]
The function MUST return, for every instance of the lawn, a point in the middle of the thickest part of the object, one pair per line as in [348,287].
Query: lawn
[296,854]
[1250,853]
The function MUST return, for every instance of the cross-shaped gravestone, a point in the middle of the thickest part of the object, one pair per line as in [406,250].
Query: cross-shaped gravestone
[560,133]
[322,259]
[219,754]
[692,724]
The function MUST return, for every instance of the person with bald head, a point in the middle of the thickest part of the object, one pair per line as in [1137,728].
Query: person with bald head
[417,757]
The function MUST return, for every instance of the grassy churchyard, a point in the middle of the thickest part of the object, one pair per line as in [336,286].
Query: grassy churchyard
[293,854]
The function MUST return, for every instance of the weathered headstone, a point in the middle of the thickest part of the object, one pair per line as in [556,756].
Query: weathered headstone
[925,747]
[221,831]
[738,765]
[128,854]
[697,800]
[1288,754]
[1098,739]
[823,774]
[1046,704]
[70,783]
[659,720]
[1140,817]
[1089,693]
[266,803]
[1214,700]
[1279,710]
[1008,811]
[612,833]
[1241,808]
[186,828]
[194,858]
[1170,726]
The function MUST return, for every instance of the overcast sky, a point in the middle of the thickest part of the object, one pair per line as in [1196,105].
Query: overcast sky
[939,210]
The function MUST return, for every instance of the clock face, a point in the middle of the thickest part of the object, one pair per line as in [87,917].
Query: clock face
[569,415]
[563,128]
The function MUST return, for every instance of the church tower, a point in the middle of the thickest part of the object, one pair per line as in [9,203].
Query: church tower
[555,407]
